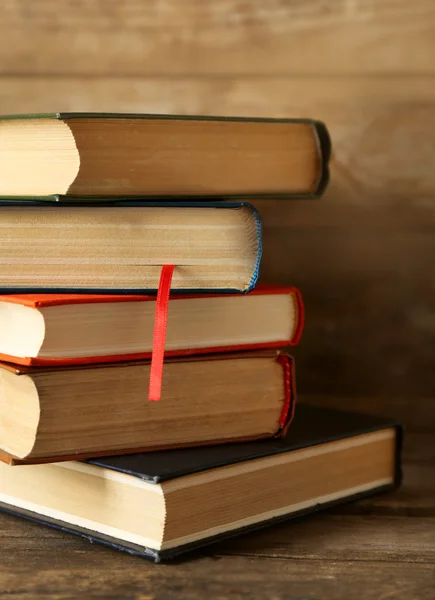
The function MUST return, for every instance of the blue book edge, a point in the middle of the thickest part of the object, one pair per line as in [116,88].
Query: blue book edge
[137,203]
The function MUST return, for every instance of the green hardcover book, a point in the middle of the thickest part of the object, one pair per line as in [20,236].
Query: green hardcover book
[82,155]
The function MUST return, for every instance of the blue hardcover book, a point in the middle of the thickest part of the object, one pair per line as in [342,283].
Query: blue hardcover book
[122,246]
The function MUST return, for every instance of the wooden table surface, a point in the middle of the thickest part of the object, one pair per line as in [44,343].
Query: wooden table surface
[381,548]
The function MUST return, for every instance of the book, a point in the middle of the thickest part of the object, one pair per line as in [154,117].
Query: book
[91,154]
[62,329]
[121,247]
[52,414]
[160,505]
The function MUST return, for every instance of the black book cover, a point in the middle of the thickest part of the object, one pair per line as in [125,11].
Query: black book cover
[311,426]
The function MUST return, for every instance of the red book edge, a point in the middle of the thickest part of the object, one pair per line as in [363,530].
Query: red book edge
[45,300]
[288,364]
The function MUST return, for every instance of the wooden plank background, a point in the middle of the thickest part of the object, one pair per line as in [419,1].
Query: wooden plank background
[364,255]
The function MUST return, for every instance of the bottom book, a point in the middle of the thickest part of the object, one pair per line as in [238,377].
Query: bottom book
[161,504]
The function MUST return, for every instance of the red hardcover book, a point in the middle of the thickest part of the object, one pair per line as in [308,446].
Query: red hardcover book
[70,412]
[74,329]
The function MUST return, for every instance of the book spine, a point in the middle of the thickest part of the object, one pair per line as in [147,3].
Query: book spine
[288,410]
[324,145]
[300,318]
[259,232]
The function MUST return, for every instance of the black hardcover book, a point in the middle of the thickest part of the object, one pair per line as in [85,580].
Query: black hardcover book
[161,504]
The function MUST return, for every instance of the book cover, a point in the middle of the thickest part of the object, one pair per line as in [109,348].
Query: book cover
[313,427]
[319,133]
[41,301]
[152,417]
[140,203]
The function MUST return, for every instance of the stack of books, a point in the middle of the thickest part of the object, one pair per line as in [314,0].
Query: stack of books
[146,401]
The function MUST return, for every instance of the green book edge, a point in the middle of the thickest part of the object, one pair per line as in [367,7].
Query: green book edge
[322,134]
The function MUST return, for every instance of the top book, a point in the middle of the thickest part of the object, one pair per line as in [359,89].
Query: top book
[49,156]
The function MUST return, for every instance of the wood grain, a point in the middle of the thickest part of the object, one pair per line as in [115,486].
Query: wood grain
[374,122]
[101,573]
[334,537]
[328,537]
[381,547]
[369,305]
[417,413]
[362,255]
[369,301]
[173,38]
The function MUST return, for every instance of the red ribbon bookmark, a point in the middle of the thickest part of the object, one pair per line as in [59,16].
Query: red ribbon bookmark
[159,338]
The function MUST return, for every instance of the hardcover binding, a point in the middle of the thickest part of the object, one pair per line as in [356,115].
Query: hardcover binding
[145,204]
[46,300]
[287,414]
[158,556]
[319,128]
[41,300]
[166,555]
[312,425]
